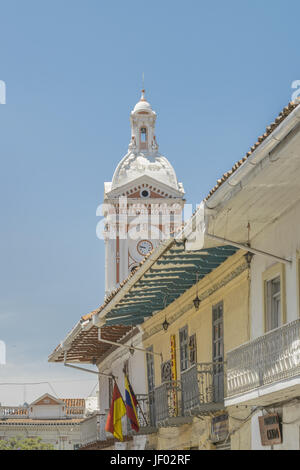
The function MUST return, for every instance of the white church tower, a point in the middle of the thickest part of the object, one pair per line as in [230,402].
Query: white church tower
[143,203]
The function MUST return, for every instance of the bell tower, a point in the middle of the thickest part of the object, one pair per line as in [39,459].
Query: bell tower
[143,203]
[142,120]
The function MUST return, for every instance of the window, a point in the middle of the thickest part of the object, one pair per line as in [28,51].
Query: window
[274,297]
[183,344]
[218,352]
[193,349]
[144,193]
[298,281]
[150,370]
[151,385]
[143,134]
[273,303]
[218,338]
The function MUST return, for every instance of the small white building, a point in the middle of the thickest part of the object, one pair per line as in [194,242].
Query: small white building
[113,366]
[55,421]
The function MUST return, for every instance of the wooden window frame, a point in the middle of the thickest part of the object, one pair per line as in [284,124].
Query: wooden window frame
[298,280]
[193,338]
[274,271]
[184,328]
[215,307]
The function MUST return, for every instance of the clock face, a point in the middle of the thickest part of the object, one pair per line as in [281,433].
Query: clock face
[144,247]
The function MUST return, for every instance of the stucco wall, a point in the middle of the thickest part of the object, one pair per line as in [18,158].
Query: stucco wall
[240,427]
[228,284]
[282,238]
[61,437]
[235,297]
[115,364]
[47,411]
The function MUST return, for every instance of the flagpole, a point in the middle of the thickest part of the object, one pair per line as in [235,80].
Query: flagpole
[114,378]
[137,400]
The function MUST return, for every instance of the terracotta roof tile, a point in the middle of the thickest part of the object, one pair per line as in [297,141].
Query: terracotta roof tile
[40,421]
[282,115]
[71,402]
[74,406]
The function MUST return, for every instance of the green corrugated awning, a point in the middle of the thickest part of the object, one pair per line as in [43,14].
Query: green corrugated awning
[168,278]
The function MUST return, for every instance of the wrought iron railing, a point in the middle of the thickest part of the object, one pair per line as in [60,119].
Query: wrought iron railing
[202,385]
[167,402]
[270,358]
[144,413]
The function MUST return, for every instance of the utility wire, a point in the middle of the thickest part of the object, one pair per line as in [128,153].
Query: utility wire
[42,383]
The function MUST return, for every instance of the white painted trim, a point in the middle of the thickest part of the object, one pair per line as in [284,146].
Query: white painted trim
[262,391]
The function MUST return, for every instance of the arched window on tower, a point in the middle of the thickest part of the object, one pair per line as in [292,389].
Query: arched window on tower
[143,137]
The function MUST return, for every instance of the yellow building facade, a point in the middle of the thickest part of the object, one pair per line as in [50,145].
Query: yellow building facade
[188,382]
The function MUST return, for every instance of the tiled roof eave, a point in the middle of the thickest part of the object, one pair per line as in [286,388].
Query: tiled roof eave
[35,422]
[280,118]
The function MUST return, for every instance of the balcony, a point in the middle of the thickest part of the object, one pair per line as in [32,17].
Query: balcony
[199,392]
[167,405]
[271,358]
[203,388]
[92,429]
[13,412]
[146,420]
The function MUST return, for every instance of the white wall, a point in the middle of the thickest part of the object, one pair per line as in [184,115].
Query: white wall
[282,238]
[114,365]
[255,433]
[61,437]
[47,411]
[91,404]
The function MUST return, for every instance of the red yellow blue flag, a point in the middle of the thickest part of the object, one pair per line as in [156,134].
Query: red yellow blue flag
[131,405]
[116,412]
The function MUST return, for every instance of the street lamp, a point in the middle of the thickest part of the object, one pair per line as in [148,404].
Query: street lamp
[248,257]
[196,300]
[165,324]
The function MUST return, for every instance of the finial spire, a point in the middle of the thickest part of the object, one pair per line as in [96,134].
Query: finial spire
[143,89]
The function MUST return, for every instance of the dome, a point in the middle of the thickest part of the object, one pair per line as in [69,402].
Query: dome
[142,105]
[155,166]
[143,158]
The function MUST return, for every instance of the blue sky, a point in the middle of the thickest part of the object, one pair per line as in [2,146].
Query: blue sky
[217,73]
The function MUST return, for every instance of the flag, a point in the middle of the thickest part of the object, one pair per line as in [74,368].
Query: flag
[114,418]
[131,404]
